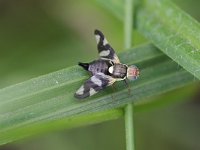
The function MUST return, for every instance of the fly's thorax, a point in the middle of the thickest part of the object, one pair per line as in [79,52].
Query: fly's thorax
[118,71]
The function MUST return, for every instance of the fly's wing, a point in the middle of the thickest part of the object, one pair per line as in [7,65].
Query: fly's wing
[93,85]
[104,48]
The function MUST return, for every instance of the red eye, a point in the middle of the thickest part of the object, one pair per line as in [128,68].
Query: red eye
[133,72]
[136,72]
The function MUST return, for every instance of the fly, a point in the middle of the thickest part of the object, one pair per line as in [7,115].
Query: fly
[106,70]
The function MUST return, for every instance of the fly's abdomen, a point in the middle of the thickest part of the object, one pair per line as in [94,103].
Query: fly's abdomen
[99,66]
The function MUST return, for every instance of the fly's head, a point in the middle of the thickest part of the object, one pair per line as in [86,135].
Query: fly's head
[132,72]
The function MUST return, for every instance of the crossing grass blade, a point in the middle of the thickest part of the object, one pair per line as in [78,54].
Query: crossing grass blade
[172,30]
[176,33]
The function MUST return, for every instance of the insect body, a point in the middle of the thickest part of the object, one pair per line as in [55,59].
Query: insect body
[106,70]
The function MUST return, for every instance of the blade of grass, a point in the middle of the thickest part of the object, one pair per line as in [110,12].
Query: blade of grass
[39,128]
[172,30]
[165,100]
[27,105]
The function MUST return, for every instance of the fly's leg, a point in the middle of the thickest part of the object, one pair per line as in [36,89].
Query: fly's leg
[113,89]
[128,86]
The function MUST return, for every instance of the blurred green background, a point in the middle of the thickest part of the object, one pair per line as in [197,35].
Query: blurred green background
[41,36]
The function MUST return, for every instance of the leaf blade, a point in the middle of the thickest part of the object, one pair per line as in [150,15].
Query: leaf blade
[52,102]
[173,31]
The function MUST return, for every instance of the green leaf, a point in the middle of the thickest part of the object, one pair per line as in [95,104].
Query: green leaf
[172,30]
[30,107]
[41,127]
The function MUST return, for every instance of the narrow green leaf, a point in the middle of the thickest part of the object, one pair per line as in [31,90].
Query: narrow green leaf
[50,97]
[58,124]
[172,30]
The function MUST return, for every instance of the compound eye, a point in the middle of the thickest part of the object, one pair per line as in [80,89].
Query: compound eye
[132,72]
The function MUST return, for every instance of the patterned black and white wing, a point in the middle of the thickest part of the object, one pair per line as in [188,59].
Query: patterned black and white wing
[104,48]
[93,85]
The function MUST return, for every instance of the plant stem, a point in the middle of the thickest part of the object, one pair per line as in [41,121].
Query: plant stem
[128,23]
[129,127]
